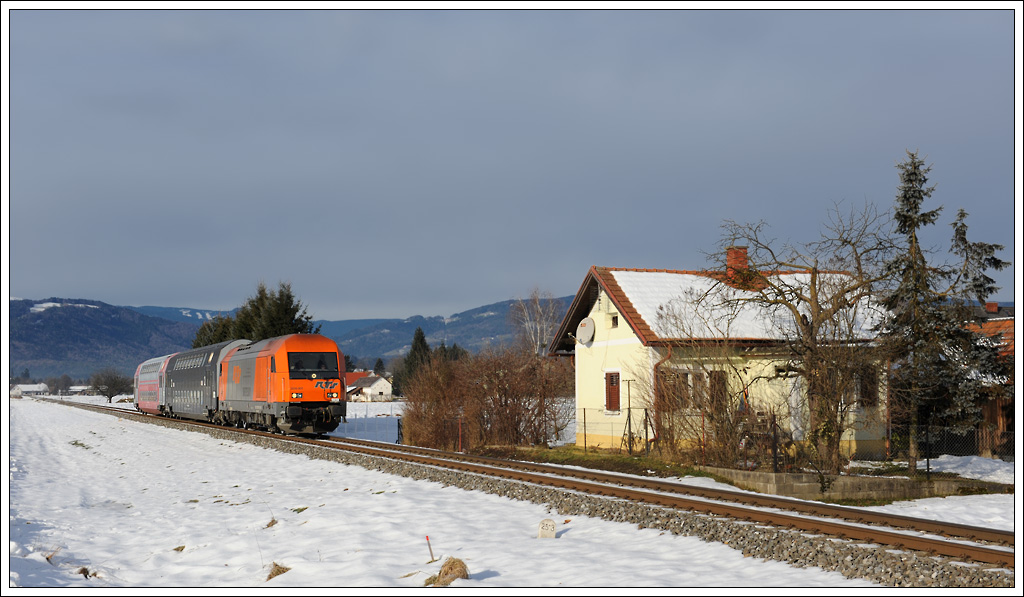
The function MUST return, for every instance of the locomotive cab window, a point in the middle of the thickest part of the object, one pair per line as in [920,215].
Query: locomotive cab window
[313,365]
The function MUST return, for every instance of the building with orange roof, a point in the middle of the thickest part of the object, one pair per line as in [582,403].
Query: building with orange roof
[628,329]
[996,432]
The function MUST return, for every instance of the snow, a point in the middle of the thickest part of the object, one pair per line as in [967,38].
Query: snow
[681,304]
[40,307]
[100,501]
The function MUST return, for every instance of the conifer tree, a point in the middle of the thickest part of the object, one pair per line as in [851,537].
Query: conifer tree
[940,366]
[218,329]
[419,354]
[267,314]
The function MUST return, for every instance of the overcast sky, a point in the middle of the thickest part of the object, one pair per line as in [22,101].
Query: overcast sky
[399,163]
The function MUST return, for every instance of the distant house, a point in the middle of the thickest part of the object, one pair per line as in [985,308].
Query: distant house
[624,335]
[352,376]
[31,389]
[370,388]
[995,434]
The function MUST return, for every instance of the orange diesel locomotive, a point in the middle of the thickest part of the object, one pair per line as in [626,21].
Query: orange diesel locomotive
[293,384]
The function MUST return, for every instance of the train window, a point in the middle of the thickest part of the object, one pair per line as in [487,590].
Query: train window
[313,365]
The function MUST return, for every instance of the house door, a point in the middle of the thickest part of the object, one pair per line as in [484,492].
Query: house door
[611,391]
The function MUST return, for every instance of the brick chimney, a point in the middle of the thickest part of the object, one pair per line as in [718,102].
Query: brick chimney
[735,260]
[992,307]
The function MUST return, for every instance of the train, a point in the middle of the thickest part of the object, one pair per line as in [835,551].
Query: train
[293,384]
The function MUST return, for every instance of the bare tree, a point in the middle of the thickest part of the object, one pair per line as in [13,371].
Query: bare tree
[818,297]
[505,397]
[110,383]
[536,318]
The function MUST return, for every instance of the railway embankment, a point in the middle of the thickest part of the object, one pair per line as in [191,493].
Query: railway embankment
[877,563]
[811,486]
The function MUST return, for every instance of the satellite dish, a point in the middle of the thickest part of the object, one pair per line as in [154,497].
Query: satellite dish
[585,330]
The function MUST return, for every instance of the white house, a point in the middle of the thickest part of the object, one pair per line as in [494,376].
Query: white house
[29,389]
[370,389]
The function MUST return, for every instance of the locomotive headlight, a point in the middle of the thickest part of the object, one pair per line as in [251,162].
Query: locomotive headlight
[296,395]
[332,394]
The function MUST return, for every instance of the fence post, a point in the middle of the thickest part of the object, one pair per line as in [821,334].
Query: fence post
[928,449]
[775,445]
[584,430]
[647,433]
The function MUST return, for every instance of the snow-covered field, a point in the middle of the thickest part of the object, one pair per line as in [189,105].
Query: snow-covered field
[99,501]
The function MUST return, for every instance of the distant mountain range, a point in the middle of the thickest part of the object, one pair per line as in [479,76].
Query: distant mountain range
[77,337]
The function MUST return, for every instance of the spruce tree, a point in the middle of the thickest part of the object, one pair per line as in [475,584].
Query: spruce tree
[218,329]
[940,367]
[419,355]
[267,314]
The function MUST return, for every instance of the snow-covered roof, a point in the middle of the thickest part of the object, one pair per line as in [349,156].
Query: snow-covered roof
[692,305]
[671,305]
[38,388]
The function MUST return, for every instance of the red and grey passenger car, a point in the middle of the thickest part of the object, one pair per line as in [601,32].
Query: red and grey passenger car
[291,383]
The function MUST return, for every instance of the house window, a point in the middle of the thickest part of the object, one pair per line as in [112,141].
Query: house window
[611,391]
[700,389]
[615,321]
[675,389]
[867,386]
[718,390]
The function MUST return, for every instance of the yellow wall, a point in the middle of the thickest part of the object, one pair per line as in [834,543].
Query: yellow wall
[618,349]
[613,349]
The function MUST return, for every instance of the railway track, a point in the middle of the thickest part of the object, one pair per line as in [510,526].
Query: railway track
[949,540]
[857,515]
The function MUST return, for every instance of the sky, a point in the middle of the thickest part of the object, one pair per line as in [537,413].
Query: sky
[391,163]
[95,491]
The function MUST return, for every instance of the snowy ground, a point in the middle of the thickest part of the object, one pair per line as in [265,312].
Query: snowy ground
[99,501]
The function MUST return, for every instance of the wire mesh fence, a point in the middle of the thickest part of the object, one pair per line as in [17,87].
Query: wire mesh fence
[375,421]
[761,442]
[934,441]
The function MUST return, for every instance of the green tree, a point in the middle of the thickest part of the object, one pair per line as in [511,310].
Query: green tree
[378,368]
[454,353]
[110,383]
[218,329]
[940,367]
[419,354]
[25,377]
[267,314]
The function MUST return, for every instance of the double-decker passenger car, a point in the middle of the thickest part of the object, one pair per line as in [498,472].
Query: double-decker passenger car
[291,383]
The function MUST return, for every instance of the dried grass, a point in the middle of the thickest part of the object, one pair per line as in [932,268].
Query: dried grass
[277,570]
[452,570]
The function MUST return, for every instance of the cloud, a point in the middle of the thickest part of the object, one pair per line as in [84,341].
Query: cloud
[463,157]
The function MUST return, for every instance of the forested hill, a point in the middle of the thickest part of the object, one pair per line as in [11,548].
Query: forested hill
[473,330]
[77,337]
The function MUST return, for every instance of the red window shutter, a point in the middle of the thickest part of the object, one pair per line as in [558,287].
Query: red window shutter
[611,391]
